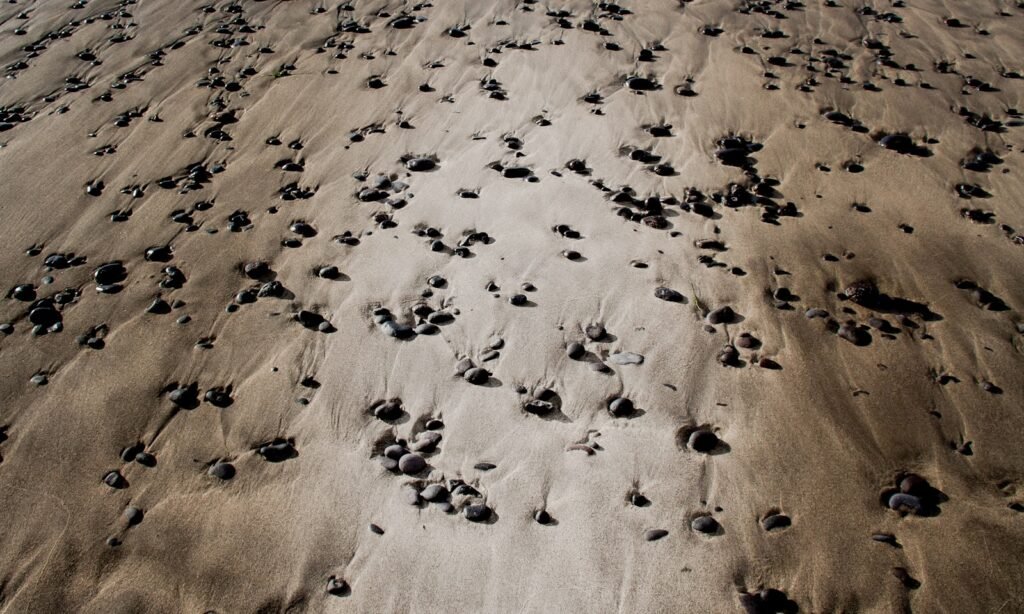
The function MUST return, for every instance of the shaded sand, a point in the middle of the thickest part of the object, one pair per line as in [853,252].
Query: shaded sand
[200,414]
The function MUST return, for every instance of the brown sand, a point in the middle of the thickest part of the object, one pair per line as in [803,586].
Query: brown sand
[935,391]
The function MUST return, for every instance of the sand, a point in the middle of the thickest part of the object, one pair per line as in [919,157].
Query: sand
[227,424]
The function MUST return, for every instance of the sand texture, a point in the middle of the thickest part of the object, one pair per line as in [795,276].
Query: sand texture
[699,306]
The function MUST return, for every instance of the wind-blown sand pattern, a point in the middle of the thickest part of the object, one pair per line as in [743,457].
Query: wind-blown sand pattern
[493,306]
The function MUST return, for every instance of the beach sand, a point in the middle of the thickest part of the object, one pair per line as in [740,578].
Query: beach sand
[488,306]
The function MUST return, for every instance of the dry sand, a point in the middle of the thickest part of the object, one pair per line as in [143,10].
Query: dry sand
[845,177]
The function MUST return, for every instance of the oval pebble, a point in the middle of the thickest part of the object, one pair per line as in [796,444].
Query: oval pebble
[704,524]
[411,463]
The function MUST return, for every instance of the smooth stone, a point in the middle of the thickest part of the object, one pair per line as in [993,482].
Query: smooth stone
[575,350]
[668,294]
[395,451]
[704,524]
[434,493]
[426,328]
[478,512]
[620,407]
[626,358]
[426,442]
[114,479]
[388,410]
[396,330]
[702,440]
[654,534]
[902,502]
[133,515]
[337,587]
[722,315]
[595,332]
[410,464]
[775,521]
[477,376]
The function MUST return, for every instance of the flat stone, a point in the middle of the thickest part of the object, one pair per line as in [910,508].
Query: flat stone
[626,358]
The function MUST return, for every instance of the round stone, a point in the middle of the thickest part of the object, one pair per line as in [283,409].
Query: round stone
[620,407]
[411,463]
[478,512]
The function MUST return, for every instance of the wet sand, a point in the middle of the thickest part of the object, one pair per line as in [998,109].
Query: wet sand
[510,307]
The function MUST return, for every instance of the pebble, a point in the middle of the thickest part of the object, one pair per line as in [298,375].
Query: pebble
[337,587]
[704,524]
[575,350]
[702,440]
[477,512]
[668,294]
[775,521]
[114,479]
[222,470]
[722,315]
[133,515]
[654,534]
[626,358]
[620,407]
[477,376]
[388,410]
[411,464]
[434,493]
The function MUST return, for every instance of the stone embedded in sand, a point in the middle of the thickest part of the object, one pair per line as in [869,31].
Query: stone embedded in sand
[853,333]
[388,410]
[133,515]
[641,84]
[902,502]
[729,356]
[396,330]
[477,512]
[702,440]
[538,407]
[668,294]
[411,463]
[477,376]
[542,517]
[277,451]
[184,396]
[767,601]
[595,332]
[23,292]
[620,407]
[218,397]
[575,350]
[626,358]
[110,274]
[654,534]
[114,479]
[704,524]
[747,341]
[434,493]
[222,470]
[337,587]
[864,293]
[722,315]
[420,165]
[899,143]
[775,521]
